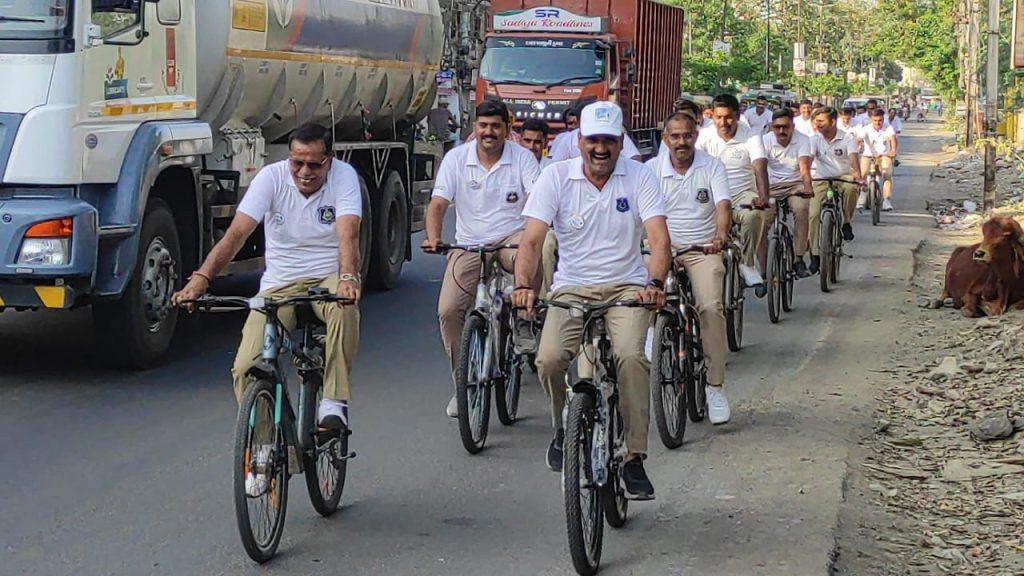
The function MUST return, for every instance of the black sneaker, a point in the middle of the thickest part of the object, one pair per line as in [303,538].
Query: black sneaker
[760,290]
[800,268]
[555,451]
[815,264]
[635,481]
[847,232]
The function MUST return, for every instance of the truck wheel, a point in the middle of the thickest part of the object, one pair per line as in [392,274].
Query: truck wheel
[390,233]
[365,232]
[135,331]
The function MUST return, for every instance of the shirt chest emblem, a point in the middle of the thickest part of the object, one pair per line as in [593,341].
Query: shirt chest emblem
[839,151]
[276,218]
[512,197]
[325,214]
[703,195]
[622,204]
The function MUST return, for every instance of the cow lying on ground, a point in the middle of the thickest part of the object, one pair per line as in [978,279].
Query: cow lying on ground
[987,278]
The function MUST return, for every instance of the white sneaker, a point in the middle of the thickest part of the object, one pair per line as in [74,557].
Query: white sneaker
[750,275]
[718,405]
[331,407]
[256,482]
[886,205]
[649,344]
[862,200]
[453,408]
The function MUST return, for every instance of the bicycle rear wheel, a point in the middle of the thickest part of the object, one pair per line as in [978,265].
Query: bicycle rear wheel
[826,236]
[788,275]
[583,505]
[506,393]
[472,389]
[260,459]
[773,280]
[733,291]
[875,196]
[323,465]
[667,392]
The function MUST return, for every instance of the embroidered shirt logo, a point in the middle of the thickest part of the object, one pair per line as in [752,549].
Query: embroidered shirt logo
[325,214]
[512,197]
[622,204]
[703,195]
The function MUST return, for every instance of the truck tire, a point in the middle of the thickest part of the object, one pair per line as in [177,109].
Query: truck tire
[135,331]
[390,233]
[365,232]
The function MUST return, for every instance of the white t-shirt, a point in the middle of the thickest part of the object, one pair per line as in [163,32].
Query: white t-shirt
[566,146]
[805,127]
[598,231]
[784,161]
[876,142]
[863,120]
[832,157]
[759,122]
[301,239]
[488,203]
[738,155]
[690,198]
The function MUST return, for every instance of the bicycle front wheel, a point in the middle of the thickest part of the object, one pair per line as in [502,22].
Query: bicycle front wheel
[837,254]
[613,493]
[734,303]
[667,393]
[260,473]
[506,393]
[323,463]
[875,195]
[788,275]
[826,236]
[472,388]
[583,505]
[695,375]
[773,280]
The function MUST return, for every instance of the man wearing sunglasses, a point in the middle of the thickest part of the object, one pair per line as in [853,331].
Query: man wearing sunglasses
[310,206]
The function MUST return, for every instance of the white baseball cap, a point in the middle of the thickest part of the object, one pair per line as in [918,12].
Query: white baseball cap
[601,118]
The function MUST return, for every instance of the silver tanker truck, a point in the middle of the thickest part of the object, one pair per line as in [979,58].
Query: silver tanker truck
[130,129]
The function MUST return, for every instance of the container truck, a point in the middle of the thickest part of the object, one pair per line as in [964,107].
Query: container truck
[130,129]
[540,57]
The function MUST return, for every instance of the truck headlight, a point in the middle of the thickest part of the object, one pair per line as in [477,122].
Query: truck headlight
[47,243]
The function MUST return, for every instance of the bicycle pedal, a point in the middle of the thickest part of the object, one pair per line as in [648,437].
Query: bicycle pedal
[339,460]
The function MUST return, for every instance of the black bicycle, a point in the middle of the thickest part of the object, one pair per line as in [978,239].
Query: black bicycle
[830,236]
[487,356]
[781,256]
[734,287]
[594,442]
[873,191]
[267,430]
[678,370]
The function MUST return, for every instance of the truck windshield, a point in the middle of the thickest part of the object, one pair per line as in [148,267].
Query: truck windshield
[542,61]
[33,19]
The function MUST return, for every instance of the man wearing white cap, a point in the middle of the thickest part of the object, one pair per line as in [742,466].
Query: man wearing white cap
[599,205]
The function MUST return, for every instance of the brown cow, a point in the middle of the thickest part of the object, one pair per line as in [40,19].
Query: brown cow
[987,278]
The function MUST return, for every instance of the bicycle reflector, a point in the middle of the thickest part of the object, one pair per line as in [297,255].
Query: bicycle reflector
[47,243]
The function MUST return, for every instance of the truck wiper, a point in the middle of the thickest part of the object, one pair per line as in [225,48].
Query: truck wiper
[20,19]
[572,79]
[518,82]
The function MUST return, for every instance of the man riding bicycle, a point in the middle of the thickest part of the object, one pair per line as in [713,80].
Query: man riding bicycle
[741,150]
[879,145]
[488,180]
[789,173]
[699,212]
[310,206]
[599,204]
[835,156]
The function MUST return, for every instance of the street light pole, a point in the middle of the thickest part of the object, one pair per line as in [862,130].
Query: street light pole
[991,105]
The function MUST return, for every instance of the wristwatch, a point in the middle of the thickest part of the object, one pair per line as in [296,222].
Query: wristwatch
[656,284]
[350,278]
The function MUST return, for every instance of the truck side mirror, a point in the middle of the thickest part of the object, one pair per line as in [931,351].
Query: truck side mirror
[120,22]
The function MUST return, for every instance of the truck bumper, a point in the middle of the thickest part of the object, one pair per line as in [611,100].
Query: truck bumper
[32,286]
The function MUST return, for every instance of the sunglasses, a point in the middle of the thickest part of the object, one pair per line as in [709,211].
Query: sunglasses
[314,166]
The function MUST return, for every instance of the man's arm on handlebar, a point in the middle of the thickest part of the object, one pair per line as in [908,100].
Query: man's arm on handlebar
[435,219]
[723,225]
[761,180]
[527,260]
[222,253]
[347,228]
[660,262]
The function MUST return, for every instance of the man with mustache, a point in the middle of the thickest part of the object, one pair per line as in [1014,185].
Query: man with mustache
[565,148]
[600,204]
[488,180]
[835,156]
[789,172]
[741,150]
[699,211]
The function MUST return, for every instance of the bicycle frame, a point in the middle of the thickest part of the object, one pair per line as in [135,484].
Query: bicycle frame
[489,304]
[605,393]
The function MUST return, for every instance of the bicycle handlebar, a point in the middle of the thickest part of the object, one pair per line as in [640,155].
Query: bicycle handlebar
[588,309]
[831,180]
[702,248]
[260,303]
[748,207]
[444,248]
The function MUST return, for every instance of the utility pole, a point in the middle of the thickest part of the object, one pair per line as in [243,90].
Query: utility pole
[768,40]
[972,70]
[991,105]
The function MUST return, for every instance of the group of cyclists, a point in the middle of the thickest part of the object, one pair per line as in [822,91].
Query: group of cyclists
[569,227]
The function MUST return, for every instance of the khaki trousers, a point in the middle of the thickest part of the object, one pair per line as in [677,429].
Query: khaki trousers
[707,276]
[627,330]
[458,292]
[885,167]
[850,191]
[750,224]
[339,349]
[549,258]
[801,214]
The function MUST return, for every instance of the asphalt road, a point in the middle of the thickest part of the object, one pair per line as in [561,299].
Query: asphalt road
[129,473]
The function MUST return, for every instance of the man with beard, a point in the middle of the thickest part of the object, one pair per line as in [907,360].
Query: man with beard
[741,150]
[488,180]
[599,204]
[565,146]
[699,211]
[789,173]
